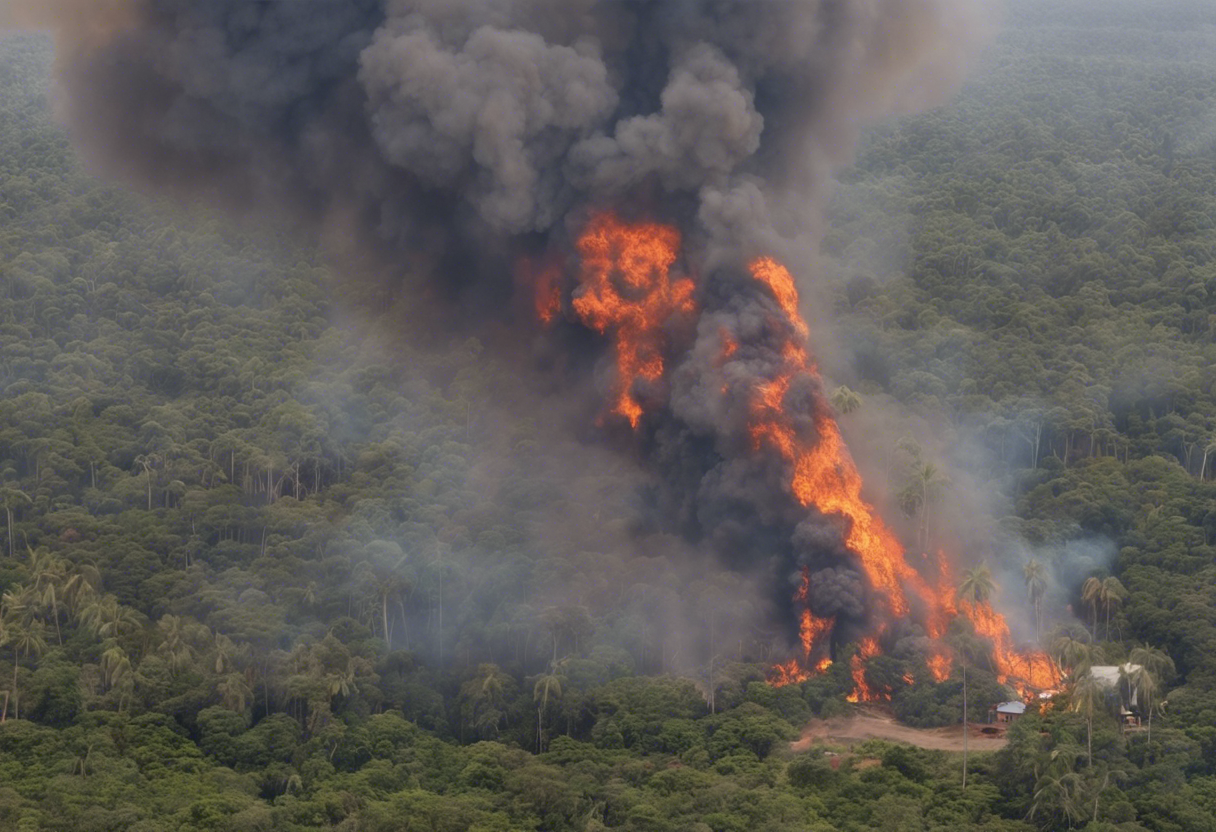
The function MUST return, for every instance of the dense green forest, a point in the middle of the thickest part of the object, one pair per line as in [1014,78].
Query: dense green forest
[254,574]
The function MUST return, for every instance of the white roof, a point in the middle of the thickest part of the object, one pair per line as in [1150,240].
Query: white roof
[1011,708]
[1109,673]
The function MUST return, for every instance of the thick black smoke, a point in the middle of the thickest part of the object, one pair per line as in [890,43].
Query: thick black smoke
[452,136]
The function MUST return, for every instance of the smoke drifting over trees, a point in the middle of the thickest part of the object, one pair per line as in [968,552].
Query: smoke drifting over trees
[454,138]
[499,118]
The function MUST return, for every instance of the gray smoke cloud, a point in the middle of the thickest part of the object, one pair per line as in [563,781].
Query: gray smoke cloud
[453,136]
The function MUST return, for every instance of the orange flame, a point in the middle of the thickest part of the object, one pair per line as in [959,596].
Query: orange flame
[779,280]
[1027,672]
[548,294]
[867,649]
[825,477]
[811,629]
[628,293]
[787,673]
[543,278]
[940,665]
[943,609]
[824,474]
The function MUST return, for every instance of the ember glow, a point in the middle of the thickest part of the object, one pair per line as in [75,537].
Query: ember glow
[548,291]
[627,288]
[628,293]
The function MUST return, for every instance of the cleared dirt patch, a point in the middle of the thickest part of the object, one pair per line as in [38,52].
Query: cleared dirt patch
[876,724]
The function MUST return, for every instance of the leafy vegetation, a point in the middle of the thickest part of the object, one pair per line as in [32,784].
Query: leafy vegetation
[252,579]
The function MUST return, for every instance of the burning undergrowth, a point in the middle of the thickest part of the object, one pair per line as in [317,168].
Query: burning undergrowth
[639,172]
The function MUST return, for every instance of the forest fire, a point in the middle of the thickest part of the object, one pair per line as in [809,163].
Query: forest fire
[867,649]
[811,630]
[1027,672]
[627,292]
[826,478]
[627,289]
[413,125]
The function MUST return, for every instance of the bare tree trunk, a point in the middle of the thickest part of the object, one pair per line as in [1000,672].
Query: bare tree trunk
[55,613]
[404,624]
[1089,739]
[964,726]
[388,633]
[924,517]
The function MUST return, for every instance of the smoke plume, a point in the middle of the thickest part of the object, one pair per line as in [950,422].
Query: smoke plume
[504,155]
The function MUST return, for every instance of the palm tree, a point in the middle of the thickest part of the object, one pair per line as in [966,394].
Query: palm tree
[845,400]
[924,482]
[976,588]
[81,586]
[1036,585]
[49,574]
[1208,451]
[342,682]
[1059,786]
[1073,654]
[148,462]
[977,585]
[1155,666]
[389,588]
[1090,592]
[1111,594]
[24,641]
[484,697]
[224,653]
[12,497]
[234,692]
[173,644]
[17,603]
[109,619]
[547,685]
[1088,698]
[117,670]
[81,762]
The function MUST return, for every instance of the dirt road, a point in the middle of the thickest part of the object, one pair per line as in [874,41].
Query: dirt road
[873,723]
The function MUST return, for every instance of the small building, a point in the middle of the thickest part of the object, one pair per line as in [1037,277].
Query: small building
[1007,712]
[1116,680]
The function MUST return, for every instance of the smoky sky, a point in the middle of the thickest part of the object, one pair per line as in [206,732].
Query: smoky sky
[452,135]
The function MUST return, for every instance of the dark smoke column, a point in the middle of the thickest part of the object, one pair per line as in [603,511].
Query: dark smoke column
[436,128]
[496,118]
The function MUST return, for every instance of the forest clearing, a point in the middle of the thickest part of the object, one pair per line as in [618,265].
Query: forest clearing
[875,723]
